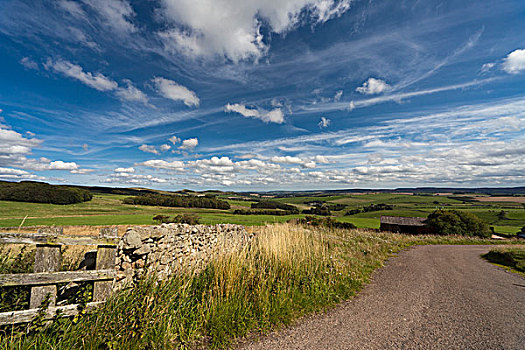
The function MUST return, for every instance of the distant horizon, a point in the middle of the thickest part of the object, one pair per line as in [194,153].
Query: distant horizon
[287,190]
[256,95]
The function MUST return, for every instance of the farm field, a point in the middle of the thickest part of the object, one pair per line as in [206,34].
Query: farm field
[108,209]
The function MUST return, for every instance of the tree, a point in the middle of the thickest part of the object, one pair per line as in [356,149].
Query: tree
[455,222]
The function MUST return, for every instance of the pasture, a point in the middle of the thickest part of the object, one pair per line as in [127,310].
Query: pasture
[108,209]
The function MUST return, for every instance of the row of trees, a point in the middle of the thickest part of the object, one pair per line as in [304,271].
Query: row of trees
[324,222]
[370,208]
[267,204]
[39,192]
[274,212]
[163,200]
[323,211]
[190,219]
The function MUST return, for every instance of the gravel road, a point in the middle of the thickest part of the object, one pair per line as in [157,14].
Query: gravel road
[428,297]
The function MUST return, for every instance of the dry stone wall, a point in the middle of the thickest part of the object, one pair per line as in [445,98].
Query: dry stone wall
[165,248]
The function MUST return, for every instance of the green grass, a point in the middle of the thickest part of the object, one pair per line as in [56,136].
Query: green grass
[512,259]
[107,209]
[360,222]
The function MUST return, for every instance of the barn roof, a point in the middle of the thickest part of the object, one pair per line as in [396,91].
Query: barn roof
[405,221]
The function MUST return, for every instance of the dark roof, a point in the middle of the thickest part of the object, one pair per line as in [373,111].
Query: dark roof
[404,221]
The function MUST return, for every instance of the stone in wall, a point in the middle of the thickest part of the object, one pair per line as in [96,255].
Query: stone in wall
[166,248]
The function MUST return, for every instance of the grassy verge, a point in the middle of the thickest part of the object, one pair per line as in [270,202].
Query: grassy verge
[285,272]
[512,259]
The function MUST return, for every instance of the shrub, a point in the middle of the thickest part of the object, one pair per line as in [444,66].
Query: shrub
[190,219]
[323,222]
[454,222]
[514,258]
[370,208]
[317,211]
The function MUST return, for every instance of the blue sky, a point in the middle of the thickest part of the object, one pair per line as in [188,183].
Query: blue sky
[263,94]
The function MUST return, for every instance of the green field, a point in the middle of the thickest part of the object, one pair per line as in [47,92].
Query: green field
[108,209]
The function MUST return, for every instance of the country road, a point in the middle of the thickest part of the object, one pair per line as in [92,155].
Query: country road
[429,297]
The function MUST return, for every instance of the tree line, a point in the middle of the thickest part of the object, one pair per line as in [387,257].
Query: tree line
[371,207]
[164,200]
[274,212]
[267,204]
[40,192]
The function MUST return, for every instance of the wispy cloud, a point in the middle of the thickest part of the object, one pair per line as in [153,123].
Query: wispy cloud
[274,116]
[173,91]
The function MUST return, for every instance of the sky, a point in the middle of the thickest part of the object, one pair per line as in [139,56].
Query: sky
[263,94]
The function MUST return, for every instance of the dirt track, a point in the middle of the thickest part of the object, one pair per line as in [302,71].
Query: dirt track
[429,297]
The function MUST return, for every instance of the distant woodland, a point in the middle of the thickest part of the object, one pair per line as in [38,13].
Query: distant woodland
[39,192]
[163,200]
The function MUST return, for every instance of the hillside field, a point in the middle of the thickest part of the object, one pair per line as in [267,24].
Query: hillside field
[108,209]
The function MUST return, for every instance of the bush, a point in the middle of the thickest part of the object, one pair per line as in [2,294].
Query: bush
[323,222]
[317,211]
[370,208]
[39,192]
[454,222]
[190,219]
[514,258]
[163,200]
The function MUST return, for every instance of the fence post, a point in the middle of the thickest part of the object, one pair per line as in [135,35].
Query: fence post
[47,259]
[105,260]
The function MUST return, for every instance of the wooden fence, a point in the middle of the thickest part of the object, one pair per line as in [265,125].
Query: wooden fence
[46,275]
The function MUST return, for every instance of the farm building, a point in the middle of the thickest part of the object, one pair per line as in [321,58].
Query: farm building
[400,224]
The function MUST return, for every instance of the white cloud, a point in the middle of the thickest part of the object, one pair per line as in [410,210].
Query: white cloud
[373,86]
[165,147]
[117,14]
[29,63]
[71,7]
[324,123]
[294,160]
[125,170]
[82,171]
[131,93]
[136,179]
[322,160]
[232,28]
[274,116]
[17,174]
[174,139]
[162,164]
[338,95]
[351,106]
[487,67]
[189,144]
[60,165]
[96,81]
[170,89]
[148,149]
[514,63]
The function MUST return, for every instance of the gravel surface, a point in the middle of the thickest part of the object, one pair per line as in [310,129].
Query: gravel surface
[428,297]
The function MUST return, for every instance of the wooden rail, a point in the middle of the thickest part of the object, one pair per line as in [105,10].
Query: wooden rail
[13,317]
[52,239]
[44,279]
